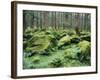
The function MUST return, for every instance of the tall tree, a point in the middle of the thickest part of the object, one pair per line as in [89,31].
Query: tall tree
[77,23]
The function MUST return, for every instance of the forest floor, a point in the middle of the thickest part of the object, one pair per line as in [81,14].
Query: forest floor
[52,49]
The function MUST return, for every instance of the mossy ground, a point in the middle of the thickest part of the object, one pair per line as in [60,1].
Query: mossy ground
[55,48]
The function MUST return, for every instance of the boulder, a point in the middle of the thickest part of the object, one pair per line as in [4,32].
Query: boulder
[64,40]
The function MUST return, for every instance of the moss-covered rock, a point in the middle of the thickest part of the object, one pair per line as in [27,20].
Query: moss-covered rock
[85,48]
[64,40]
[84,33]
[75,39]
[86,37]
[40,44]
[60,48]
[71,32]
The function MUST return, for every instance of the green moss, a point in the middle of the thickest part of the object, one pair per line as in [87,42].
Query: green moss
[84,33]
[56,63]
[86,37]
[85,48]
[71,32]
[75,39]
[28,30]
[64,40]
[48,48]
[40,44]
[71,52]
[36,60]
[72,62]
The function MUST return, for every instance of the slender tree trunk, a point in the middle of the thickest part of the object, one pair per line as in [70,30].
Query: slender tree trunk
[77,25]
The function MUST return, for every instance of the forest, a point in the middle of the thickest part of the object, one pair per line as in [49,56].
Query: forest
[54,39]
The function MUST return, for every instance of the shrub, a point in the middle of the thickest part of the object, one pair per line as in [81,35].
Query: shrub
[72,52]
[56,62]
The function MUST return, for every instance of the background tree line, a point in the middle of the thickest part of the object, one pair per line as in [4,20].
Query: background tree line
[56,20]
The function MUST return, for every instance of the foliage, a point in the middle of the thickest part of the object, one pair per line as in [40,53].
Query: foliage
[36,60]
[56,39]
[72,52]
[85,50]
[75,39]
[64,40]
[55,48]
[56,62]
